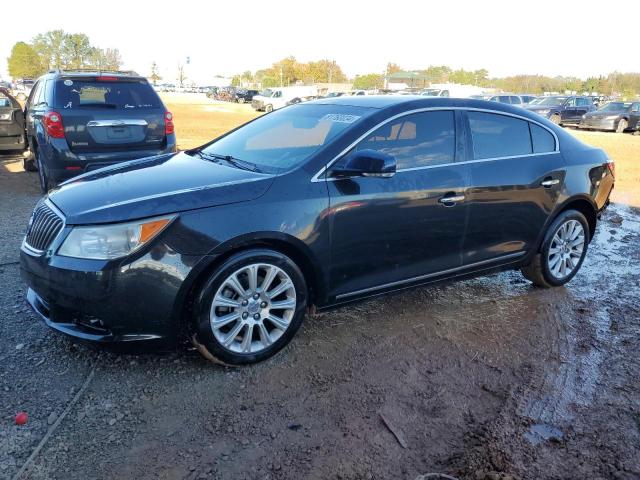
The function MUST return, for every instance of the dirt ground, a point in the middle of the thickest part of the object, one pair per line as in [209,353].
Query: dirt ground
[484,379]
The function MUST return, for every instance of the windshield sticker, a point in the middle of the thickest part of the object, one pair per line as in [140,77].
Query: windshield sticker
[340,117]
[68,83]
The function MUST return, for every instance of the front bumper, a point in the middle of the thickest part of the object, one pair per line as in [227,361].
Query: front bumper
[598,124]
[139,300]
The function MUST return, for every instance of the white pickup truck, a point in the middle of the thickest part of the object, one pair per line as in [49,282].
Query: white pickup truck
[277,97]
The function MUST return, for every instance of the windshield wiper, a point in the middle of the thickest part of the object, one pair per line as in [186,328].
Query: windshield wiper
[236,162]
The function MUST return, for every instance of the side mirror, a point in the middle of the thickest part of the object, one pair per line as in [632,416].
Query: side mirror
[366,163]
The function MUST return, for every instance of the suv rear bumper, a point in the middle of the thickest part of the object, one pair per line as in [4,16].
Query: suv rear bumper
[62,164]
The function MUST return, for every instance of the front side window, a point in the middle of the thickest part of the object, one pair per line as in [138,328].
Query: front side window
[583,102]
[571,102]
[417,140]
[285,138]
[496,136]
[515,100]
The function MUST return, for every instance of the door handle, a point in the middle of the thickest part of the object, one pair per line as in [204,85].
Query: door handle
[451,200]
[549,182]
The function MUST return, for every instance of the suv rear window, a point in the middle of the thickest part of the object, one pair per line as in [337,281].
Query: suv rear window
[127,94]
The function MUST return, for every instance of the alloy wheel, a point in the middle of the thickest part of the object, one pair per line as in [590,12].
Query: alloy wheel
[566,249]
[253,308]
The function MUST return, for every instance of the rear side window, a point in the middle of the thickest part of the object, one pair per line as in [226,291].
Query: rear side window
[542,139]
[515,100]
[418,140]
[496,135]
[120,95]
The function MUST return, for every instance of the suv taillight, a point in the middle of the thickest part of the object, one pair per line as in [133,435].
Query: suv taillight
[53,124]
[168,123]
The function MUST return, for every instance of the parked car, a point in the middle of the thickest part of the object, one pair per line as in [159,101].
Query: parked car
[273,98]
[562,109]
[243,95]
[79,121]
[614,116]
[508,98]
[312,206]
[11,122]
[22,88]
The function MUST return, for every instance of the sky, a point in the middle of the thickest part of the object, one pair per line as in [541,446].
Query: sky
[560,37]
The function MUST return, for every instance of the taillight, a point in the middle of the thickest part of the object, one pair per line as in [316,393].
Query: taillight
[53,124]
[168,123]
[612,168]
[106,78]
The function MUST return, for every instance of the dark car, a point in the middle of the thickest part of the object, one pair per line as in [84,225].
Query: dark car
[311,206]
[562,109]
[11,122]
[614,116]
[78,121]
[243,95]
[510,99]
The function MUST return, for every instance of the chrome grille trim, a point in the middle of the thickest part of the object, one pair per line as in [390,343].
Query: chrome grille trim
[45,225]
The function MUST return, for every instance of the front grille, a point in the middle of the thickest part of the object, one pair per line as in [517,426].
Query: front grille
[44,227]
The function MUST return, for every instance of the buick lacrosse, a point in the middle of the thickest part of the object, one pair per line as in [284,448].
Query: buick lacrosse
[310,207]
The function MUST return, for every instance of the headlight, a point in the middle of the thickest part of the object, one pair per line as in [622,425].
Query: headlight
[106,242]
[5,116]
[543,112]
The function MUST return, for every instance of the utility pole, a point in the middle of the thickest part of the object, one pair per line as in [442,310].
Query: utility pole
[281,81]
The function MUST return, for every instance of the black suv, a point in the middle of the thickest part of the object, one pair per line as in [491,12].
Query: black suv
[78,121]
[245,96]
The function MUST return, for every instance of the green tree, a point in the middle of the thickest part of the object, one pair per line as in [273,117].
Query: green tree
[393,68]
[49,46]
[77,51]
[155,75]
[24,62]
[368,81]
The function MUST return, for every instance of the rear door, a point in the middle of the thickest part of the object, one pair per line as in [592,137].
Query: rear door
[516,176]
[583,106]
[388,231]
[102,114]
[11,116]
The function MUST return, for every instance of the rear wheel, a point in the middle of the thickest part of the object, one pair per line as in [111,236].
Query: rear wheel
[28,161]
[622,126]
[555,118]
[562,252]
[250,308]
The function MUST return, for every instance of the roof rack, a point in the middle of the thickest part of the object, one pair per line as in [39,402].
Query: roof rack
[99,71]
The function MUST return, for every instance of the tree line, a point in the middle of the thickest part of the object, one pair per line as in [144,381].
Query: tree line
[59,49]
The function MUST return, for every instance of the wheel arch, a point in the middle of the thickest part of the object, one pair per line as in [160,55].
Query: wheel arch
[280,242]
[584,205]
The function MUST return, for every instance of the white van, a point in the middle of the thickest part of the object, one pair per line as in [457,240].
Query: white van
[277,97]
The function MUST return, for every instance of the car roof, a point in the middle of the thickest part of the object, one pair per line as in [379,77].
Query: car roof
[413,102]
[94,73]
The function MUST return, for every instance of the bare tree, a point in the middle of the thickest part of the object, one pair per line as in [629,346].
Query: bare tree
[182,77]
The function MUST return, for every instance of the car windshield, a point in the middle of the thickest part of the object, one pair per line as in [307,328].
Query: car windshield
[431,92]
[615,107]
[282,140]
[267,92]
[127,94]
[550,101]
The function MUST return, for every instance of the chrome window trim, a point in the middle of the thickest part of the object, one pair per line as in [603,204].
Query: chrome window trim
[430,275]
[124,122]
[323,170]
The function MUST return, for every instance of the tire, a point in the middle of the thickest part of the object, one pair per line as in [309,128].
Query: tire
[45,182]
[545,269]
[235,328]
[622,126]
[268,108]
[240,100]
[28,161]
[555,118]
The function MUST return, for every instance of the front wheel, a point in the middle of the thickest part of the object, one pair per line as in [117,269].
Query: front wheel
[555,118]
[622,126]
[250,308]
[268,108]
[562,252]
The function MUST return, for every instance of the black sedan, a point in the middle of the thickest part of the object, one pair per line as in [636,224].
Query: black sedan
[11,122]
[311,206]
[614,116]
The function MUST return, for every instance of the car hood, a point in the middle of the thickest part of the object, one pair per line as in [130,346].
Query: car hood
[155,186]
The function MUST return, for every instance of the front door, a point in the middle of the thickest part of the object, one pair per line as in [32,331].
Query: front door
[515,182]
[386,232]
